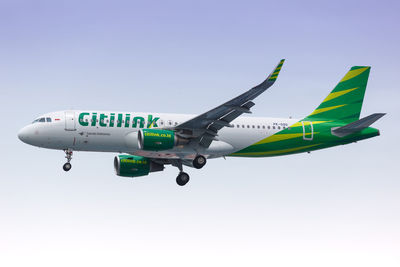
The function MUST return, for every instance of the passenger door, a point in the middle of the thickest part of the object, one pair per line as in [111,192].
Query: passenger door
[70,121]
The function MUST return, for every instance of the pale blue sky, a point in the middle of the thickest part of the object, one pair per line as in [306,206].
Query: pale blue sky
[336,207]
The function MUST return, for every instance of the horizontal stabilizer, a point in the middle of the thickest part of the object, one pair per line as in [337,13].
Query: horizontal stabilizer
[357,125]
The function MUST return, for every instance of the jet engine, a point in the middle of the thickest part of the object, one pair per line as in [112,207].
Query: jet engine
[157,139]
[134,166]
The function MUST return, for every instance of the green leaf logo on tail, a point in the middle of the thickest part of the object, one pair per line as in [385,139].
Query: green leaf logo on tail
[345,101]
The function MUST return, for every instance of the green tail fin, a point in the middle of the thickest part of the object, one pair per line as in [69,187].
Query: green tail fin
[345,101]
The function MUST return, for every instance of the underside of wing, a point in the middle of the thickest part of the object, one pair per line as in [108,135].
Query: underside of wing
[204,128]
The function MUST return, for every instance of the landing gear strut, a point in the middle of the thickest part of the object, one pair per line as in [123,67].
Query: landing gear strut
[182,178]
[199,162]
[67,166]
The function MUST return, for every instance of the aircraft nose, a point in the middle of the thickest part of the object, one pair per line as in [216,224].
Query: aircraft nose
[23,134]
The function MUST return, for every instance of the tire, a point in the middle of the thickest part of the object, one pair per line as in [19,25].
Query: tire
[67,166]
[182,179]
[199,162]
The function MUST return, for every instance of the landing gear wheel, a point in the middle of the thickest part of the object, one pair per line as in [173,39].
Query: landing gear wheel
[67,166]
[199,162]
[182,179]
[68,155]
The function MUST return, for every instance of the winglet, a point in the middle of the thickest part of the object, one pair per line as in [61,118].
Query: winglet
[272,77]
[267,83]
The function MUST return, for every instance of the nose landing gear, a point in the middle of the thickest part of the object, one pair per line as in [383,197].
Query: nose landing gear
[67,166]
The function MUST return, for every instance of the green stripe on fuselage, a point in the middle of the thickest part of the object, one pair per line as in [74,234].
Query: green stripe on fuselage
[296,140]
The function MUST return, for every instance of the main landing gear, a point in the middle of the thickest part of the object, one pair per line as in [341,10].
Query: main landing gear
[199,162]
[67,166]
[183,178]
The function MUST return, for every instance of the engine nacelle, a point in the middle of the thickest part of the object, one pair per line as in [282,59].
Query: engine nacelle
[134,166]
[157,139]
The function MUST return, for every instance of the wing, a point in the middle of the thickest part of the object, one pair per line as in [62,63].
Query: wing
[204,128]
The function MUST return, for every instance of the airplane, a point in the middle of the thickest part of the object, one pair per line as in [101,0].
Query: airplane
[146,142]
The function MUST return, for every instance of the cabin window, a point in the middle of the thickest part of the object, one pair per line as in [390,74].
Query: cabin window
[161,122]
[242,125]
[269,127]
[169,122]
[263,127]
[273,127]
[279,127]
[248,126]
[258,126]
[254,127]
[176,123]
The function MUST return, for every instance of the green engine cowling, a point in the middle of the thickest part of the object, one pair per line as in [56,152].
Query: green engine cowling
[156,139]
[134,166]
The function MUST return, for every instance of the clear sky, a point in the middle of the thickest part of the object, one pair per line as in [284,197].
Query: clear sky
[335,207]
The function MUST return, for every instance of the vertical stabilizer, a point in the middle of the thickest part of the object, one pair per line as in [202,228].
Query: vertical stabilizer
[345,101]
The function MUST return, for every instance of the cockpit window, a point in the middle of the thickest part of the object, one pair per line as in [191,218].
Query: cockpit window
[48,119]
[41,120]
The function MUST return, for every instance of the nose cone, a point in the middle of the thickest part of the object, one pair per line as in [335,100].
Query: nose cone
[24,134]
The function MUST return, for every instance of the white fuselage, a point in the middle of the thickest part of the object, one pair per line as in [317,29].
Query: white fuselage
[117,132]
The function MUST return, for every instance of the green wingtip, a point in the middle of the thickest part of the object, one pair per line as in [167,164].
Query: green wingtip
[276,71]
